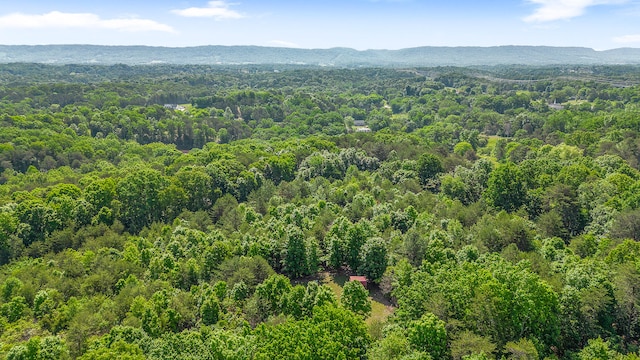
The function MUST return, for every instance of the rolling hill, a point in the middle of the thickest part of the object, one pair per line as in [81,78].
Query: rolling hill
[338,57]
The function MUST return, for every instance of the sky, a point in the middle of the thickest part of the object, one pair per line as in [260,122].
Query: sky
[358,24]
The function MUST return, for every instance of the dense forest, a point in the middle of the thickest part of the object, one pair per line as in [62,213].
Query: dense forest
[197,212]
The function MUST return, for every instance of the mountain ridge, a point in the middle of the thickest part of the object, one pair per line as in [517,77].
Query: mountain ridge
[337,57]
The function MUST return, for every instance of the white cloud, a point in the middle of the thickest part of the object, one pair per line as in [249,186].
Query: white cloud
[550,10]
[56,19]
[218,10]
[627,39]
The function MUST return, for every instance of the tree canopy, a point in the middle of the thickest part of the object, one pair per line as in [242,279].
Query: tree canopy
[489,224]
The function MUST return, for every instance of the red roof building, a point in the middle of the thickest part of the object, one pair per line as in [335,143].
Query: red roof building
[361,279]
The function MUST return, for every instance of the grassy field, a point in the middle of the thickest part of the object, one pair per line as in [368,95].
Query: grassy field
[381,308]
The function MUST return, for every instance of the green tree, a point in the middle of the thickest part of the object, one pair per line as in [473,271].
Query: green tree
[356,298]
[295,259]
[139,195]
[357,235]
[462,148]
[331,333]
[627,225]
[313,256]
[100,193]
[8,227]
[414,246]
[210,310]
[294,304]
[198,187]
[500,149]
[119,349]
[336,249]
[428,334]
[280,168]
[317,295]
[40,219]
[15,309]
[563,200]
[394,345]
[499,231]
[506,187]
[467,343]
[597,349]
[239,291]
[271,294]
[523,349]
[373,261]
[429,166]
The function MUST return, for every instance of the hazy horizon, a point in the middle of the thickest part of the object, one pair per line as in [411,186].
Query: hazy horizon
[330,48]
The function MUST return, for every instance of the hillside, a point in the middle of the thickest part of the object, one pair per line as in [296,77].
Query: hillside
[339,57]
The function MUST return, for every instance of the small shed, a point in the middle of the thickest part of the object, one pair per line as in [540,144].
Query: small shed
[361,279]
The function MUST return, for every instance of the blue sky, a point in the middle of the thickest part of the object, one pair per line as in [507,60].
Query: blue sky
[359,24]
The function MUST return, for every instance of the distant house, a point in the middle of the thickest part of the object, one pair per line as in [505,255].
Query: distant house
[363,129]
[359,123]
[556,106]
[361,279]
[175,107]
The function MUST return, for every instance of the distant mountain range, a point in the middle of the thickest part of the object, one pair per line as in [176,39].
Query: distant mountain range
[338,57]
